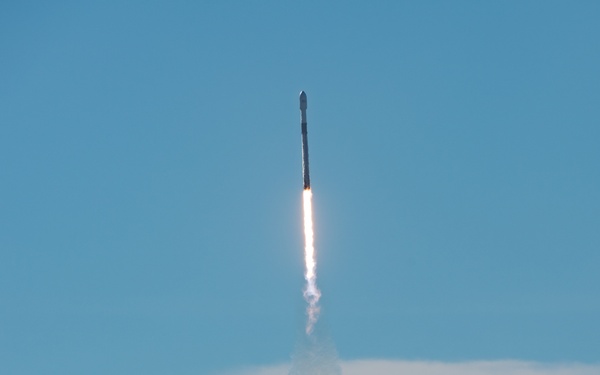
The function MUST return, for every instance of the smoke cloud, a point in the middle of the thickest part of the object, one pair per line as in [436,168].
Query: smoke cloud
[390,367]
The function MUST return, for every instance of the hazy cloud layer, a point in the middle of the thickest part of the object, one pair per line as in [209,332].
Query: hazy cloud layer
[387,367]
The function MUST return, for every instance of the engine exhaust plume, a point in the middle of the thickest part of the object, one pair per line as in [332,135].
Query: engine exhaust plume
[311,292]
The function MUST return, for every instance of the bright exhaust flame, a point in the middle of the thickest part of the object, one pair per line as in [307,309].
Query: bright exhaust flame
[311,292]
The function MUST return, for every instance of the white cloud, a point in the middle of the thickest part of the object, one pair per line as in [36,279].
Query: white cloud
[389,367]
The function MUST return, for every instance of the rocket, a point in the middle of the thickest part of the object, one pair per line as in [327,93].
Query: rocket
[305,172]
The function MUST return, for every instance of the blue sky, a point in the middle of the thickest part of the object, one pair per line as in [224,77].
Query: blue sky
[150,206]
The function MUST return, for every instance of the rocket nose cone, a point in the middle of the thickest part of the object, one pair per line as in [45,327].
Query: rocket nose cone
[302,100]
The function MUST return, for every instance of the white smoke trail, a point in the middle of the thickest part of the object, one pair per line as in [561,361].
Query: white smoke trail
[315,355]
[311,292]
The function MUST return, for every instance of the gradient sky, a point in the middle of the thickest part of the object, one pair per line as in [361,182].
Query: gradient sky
[150,183]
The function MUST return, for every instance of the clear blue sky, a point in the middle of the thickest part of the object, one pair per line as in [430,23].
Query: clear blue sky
[150,181]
